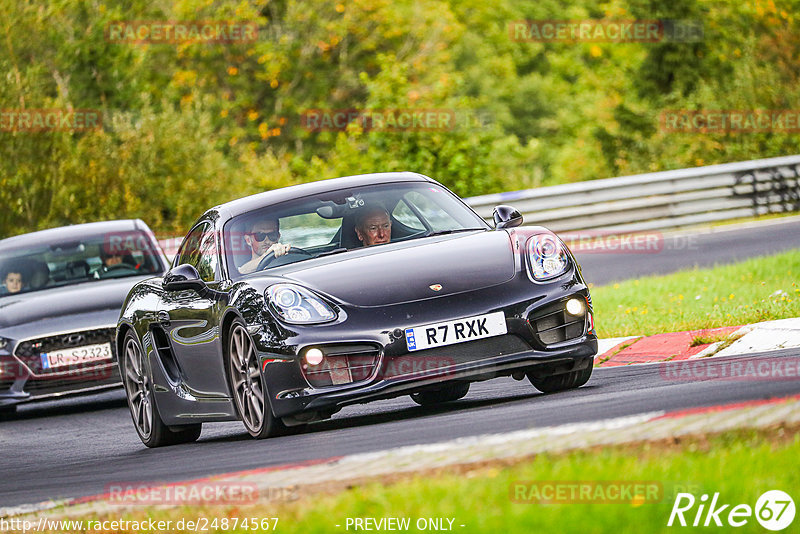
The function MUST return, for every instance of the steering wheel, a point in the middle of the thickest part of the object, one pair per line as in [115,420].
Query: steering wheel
[120,266]
[115,271]
[270,257]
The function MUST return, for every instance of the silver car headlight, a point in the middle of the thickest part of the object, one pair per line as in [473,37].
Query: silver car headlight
[547,257]
[297,305]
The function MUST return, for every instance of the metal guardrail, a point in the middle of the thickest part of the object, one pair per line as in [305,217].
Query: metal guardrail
[659,200]
[654,201]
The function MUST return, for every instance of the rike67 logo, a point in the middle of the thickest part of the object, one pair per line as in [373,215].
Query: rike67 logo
[774,510]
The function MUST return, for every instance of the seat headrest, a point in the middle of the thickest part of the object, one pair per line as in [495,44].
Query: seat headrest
[77,269]
[39,275]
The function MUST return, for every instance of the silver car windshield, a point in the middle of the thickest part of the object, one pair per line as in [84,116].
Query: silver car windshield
[340,221]
[25,269]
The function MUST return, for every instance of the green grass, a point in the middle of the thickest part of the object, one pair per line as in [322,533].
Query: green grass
[707,339]
[740,465]
[481,500]
[759,289]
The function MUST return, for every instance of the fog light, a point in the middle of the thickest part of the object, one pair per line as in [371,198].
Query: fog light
[314,356]
[575,307]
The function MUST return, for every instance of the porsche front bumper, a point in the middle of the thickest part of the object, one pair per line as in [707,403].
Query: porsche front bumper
[399,371]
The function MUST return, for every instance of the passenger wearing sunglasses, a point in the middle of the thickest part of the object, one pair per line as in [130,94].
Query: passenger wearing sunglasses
[263,239]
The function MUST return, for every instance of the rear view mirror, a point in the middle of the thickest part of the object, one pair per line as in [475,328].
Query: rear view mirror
[183,277]
[506,217]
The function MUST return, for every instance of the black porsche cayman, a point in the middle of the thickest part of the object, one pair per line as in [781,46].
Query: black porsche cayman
[283,307]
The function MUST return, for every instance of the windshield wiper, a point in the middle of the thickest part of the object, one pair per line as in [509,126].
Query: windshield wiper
[452,231]
[334,251]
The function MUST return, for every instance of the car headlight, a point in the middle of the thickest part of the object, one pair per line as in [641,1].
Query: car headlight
[297,305]
[547,257]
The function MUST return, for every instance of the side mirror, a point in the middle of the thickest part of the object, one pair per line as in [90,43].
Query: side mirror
[183,277]
[506,217]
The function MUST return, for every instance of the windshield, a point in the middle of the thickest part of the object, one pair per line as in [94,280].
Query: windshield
[339,221]
[89,259]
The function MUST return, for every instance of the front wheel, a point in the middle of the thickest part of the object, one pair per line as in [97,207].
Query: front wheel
[571,380]
[448,393]
[139,392]
[247,385]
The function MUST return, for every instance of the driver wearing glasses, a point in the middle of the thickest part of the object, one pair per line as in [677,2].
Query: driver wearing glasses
[262,239]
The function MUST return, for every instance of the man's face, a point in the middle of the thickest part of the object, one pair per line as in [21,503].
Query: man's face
[269,234]
[376,229]
[13,282]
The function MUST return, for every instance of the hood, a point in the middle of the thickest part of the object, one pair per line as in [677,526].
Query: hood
[66,302]
[404,272]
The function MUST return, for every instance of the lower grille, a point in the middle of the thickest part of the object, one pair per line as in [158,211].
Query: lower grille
[342,364]
[426,362]
[52,385]
[29,351]
[42,386]
[552,324]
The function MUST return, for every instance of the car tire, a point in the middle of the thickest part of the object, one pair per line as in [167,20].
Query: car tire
[448,393]
[141,401]
[571,380]
[247,385]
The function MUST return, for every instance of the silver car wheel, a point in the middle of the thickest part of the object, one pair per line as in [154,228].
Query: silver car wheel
[246,379]
[137,388]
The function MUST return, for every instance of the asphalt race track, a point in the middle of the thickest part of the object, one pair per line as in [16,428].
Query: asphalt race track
[83,445]
[684,251]
[76,447]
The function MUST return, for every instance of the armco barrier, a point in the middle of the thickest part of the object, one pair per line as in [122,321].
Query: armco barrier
[659,200]
[654,201]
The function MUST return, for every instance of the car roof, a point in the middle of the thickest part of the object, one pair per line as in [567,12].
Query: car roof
[276,196]
[72,232]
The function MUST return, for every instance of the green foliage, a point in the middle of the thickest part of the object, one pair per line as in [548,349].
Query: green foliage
[190,125]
